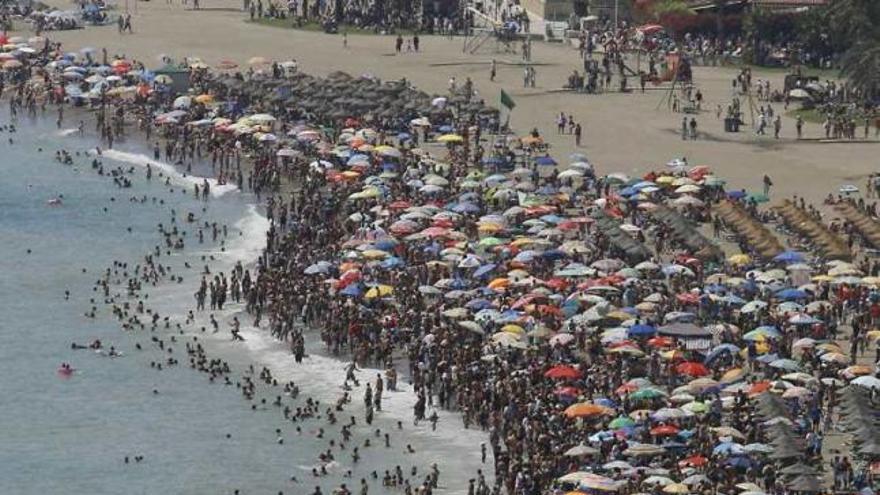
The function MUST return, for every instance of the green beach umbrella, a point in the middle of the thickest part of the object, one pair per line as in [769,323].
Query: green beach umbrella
[647,393]
[490,241]
[621,422]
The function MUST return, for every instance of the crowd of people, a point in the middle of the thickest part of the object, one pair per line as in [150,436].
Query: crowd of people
[582,321]
[375,15]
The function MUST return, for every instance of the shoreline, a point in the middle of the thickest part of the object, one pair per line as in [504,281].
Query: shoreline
[129,151]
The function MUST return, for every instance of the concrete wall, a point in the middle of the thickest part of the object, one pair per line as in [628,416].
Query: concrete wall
[558,10]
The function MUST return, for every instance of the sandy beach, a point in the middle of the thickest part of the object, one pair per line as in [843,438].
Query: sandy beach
[622,132]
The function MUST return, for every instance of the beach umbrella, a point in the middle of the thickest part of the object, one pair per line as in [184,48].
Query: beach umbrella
[644,450]
[617,465]
[790,257]
[641,330]
[796,393]
[668,413]
[676,488]
[586,410]
[450,138]
[563,372]
[805,483]
[786,364]
[621,422]
[739,259]
[695,407]
[647,393]
[791,294]
[728,431]
[728,448]
[695,479]
[319,267]
[580,450]
[692,369]
[664,430]
[870,382]
[760,448]
[658,481]
[575,477]
[471,326]
[546,161]
[379,291]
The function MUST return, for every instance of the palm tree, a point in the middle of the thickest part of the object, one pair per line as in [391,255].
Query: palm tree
[719,18]
[855,31]
[665,7]
[861,66]
[853,20]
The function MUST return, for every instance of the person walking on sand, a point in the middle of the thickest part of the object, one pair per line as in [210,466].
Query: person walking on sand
[577,134]
[767,184]
[777,126]
[693,128]
[684,129]
[492,70]
[799,125]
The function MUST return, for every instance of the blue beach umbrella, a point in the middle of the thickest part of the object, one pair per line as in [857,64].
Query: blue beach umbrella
[352,290]
[791,294]
[484,270]
[641,330]
[789,257]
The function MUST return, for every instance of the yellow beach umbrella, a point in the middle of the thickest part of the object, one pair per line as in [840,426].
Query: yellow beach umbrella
[379,291]
[678,488]
[739,259]
[374,254]
[450,138]
[733,375]
[511,328]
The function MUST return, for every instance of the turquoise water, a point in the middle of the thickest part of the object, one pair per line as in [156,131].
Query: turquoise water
[70,435]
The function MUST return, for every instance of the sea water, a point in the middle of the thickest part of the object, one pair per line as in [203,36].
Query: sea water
[71,434]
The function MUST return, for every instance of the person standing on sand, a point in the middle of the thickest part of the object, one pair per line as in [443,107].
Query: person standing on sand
[492,70]
[799,125]
[767,184]
[777,126]
[577,134]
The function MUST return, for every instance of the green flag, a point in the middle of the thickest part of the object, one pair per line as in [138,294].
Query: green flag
[507,101]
